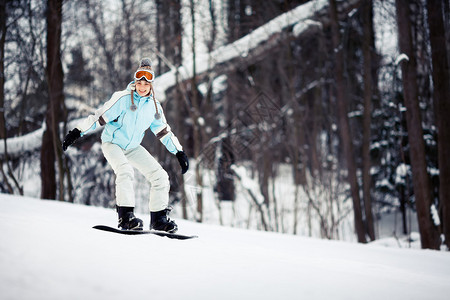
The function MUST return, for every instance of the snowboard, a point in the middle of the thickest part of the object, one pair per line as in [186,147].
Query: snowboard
[136,232]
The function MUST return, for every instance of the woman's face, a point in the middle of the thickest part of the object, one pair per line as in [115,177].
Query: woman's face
[143,88]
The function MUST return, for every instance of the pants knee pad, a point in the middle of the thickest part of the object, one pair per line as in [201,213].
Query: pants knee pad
[125,172]
[159,179]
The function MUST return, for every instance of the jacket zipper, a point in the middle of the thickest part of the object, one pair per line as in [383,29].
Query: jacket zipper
[121,125]
[134,128]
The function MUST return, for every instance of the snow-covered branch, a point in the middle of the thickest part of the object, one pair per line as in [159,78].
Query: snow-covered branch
[254,45]
[400,58]
[31,141]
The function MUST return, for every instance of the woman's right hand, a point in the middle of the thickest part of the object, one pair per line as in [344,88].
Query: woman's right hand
[71,137]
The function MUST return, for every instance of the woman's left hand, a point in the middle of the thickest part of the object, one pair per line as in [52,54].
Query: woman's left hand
[183,160]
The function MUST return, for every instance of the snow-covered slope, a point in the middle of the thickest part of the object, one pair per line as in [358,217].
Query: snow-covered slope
[48,250]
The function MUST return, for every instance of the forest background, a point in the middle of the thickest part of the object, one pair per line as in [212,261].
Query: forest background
[304,117]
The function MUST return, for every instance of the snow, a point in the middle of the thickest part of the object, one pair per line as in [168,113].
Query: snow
[48,250]
[301,27]
[435,215]
[248,182]
[400,58]
[400,173]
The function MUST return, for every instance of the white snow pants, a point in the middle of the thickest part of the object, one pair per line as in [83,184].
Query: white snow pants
[123,161]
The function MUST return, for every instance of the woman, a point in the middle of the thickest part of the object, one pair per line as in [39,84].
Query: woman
[126,117]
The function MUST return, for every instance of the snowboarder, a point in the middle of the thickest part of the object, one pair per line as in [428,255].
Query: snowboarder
[126,116]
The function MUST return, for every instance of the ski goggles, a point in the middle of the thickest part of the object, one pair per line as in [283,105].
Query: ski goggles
[148,75]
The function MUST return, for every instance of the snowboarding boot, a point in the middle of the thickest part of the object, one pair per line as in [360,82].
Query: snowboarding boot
[127,220]
[160,221]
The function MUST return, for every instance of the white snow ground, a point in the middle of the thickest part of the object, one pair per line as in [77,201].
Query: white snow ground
[48,250]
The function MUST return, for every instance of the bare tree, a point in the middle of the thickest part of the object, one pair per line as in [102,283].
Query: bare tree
[195,115]
[429,234]
[344,128]
[441,80]
[51,145]
[169,46]
[368,94]
[2,92]
[116,38]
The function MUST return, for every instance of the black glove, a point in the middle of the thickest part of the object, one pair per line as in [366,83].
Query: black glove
[71,137]
[183,160]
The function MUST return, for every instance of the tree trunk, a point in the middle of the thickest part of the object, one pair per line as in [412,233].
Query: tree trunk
[368,93]
[50,142]
[441,95]
[403,209]
[127,21]
[2,93]
[225,179]
[169,32]
[344,127]
[2,70]
[195,116]
[429,234]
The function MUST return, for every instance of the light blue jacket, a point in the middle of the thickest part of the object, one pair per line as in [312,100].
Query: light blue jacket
[125,127]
